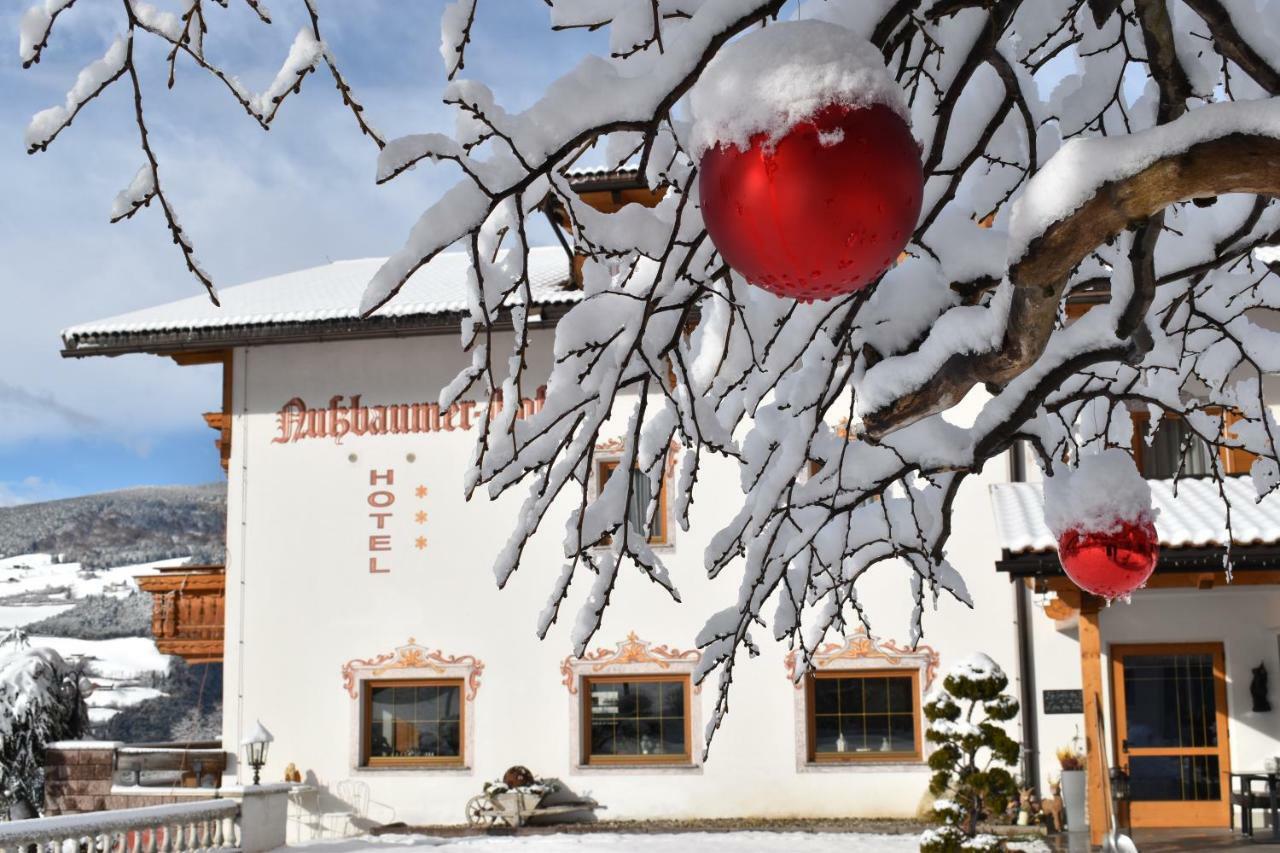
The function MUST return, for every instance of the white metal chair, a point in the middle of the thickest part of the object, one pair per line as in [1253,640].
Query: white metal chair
[304,813]
[352,816]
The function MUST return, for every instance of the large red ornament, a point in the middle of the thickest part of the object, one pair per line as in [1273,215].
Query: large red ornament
[1110,564]
[821,213]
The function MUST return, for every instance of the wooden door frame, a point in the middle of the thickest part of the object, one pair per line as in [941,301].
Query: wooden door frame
[1183,812]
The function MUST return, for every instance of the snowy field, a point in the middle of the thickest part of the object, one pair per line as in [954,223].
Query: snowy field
[39,576]
[35,586]
[702,842]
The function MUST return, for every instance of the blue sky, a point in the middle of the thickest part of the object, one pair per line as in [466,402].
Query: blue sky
[255,203]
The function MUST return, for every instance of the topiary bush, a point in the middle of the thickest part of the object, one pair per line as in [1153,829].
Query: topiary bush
[972,756]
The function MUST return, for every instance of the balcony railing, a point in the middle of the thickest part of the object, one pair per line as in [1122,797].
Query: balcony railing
[212,825]
[188,611]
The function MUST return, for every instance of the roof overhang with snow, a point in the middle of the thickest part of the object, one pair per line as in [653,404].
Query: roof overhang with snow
[321,303]
[1191,523]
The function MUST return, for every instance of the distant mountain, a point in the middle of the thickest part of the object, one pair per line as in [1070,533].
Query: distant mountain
[124,527]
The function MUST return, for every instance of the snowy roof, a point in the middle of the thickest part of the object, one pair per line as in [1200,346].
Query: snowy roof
[1193,519]
[600,177]
[328,294]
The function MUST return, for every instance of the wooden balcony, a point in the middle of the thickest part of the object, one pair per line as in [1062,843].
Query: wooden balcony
[188,611]
[221,421]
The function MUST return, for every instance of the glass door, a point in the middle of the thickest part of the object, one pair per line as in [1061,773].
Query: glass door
[1171,732]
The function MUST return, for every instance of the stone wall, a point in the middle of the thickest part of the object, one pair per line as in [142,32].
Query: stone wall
[78,779]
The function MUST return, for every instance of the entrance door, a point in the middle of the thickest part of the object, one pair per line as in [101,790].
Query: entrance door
[1171,732]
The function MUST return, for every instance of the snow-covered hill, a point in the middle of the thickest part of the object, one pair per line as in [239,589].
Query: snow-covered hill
[120,528]
[67,572]
[124,670]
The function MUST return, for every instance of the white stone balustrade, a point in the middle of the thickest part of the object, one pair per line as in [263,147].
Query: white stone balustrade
[210,825]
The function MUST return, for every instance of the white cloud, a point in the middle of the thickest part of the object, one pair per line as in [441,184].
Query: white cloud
[256,204]
[27,490]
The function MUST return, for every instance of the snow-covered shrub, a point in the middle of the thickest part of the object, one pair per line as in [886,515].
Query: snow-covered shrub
[41,701]
[972,756]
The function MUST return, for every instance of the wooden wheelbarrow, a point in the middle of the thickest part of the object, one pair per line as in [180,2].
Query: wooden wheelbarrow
[513,808]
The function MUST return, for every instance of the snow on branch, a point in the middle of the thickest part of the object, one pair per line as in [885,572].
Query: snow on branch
[1053,185]
[45,125]
[303,55]
[1085,195]
[139,193]
[671,348]
[455,34]
[183,32]
[35,28]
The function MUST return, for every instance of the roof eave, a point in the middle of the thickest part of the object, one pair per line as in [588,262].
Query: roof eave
[170,342]
[1244,558]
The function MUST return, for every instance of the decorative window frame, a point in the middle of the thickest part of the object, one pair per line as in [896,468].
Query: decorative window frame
[632,656]
[860,652]
[610,450]
[411,662]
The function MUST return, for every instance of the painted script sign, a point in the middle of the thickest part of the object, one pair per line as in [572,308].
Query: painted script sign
[297,421]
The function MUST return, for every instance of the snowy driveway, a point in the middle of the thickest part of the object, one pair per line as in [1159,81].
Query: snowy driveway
[701,842]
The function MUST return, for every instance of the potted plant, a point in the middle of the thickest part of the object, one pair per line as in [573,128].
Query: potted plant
[1071,760]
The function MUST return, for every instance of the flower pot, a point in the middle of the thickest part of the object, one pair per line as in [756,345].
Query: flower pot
[1073,803]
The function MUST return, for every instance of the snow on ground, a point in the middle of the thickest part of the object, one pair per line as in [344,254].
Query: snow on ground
[703,842]
[17,615]
[36,586]
[119,659]
[37,574]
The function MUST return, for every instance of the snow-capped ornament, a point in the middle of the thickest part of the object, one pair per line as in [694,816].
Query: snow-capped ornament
[809,177]
[1101,514]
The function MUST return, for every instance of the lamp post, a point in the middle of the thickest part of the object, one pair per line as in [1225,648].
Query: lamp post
[255,748]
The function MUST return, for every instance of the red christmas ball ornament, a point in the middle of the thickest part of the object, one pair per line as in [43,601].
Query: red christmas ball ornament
[821,212]
[1113,563]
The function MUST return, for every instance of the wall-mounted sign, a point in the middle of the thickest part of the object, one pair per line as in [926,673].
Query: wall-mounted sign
[297,421]
[383,501]
[1064,701]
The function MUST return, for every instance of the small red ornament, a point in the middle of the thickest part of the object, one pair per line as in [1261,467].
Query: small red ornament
[822,212]
[1110,564]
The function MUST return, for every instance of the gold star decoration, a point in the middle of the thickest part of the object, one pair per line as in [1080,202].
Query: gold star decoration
[420,542]
[421,491]
[420,517]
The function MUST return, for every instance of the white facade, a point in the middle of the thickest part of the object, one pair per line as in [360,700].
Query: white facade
[302,603]
[353,560]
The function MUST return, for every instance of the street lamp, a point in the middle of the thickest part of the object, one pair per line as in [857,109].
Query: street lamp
[255,748]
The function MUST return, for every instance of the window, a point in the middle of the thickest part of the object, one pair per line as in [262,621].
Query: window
[638,506]
[1165,456]
[1162,459]
[636,719]
[864,715]
[414,722]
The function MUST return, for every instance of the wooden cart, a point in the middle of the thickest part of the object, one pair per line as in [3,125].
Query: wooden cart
[514,808]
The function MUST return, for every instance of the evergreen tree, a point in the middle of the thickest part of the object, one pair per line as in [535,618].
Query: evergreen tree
[972,755]
[41,701]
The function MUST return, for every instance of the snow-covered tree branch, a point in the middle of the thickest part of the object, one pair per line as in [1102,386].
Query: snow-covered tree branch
[1126,154]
